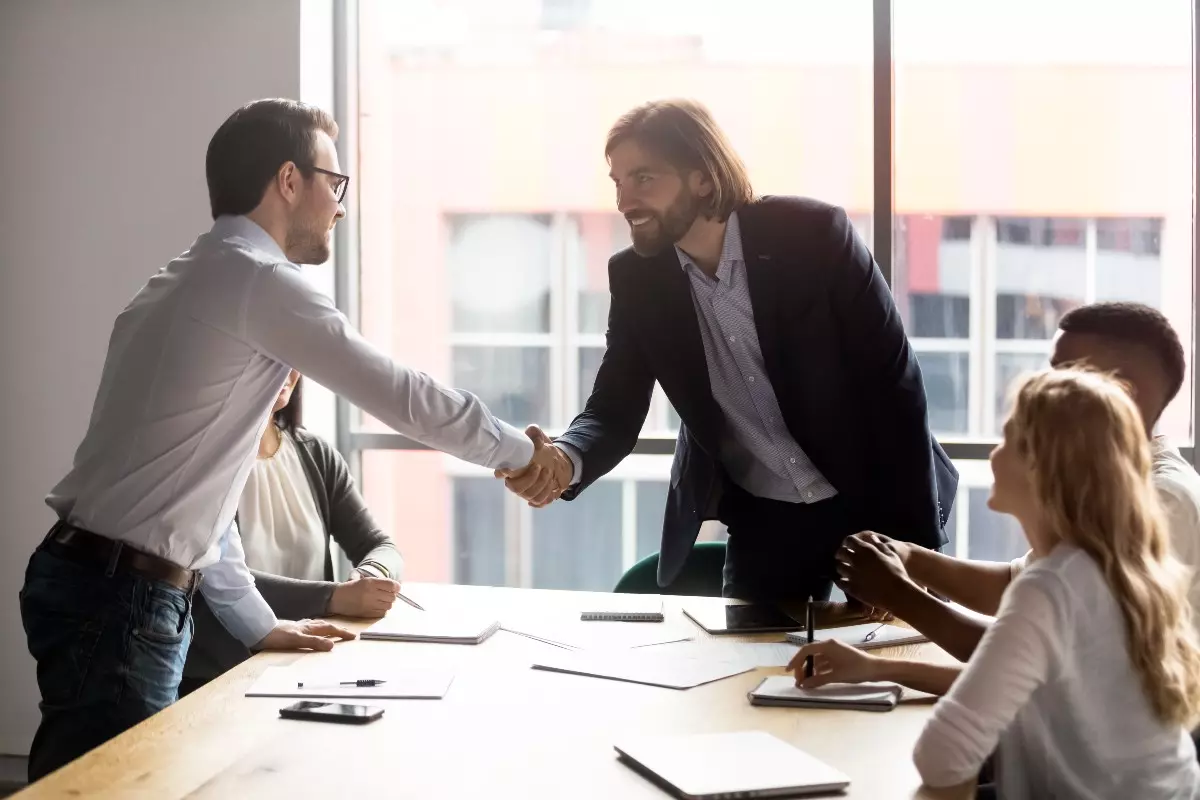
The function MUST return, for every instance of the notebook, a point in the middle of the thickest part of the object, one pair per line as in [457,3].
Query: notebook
[744,764]
[781,690]
[856,636]
[648,668]
[407,625]
[412,684]
[627,608]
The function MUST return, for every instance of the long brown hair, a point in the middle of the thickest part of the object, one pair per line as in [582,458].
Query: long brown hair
[1090,465]
[686,135]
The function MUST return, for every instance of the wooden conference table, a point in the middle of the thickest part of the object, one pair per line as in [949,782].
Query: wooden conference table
[503,730]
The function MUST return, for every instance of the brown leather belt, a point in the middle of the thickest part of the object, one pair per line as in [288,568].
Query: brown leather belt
[93,548]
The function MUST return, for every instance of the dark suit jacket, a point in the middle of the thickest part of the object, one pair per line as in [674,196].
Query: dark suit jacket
[834,348]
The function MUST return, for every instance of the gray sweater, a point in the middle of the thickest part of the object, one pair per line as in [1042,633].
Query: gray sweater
[346,520]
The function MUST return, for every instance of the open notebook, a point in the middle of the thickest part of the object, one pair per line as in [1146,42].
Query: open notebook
[864,637]
[781,690]
[409,625]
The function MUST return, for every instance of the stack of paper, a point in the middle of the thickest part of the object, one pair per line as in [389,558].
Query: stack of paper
[864,637]
[298,681]
[409,625]
[781,690]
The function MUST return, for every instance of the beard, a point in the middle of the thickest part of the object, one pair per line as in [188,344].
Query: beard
[307,244]
[667,227]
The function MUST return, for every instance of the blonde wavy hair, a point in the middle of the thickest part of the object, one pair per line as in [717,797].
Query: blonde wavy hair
[1090,465]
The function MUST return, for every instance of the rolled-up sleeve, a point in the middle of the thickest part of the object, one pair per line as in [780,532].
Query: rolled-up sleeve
[1016,655]
[229,589]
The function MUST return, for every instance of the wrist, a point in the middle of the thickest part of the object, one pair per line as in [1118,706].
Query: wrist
[334,605]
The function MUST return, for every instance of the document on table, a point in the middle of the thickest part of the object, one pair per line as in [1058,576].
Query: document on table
[576,635]
[646,667]
[865,637]
[413,684]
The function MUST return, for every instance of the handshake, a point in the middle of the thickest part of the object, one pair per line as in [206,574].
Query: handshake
[545,477]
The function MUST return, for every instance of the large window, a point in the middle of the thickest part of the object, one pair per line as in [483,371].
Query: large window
[1042,159]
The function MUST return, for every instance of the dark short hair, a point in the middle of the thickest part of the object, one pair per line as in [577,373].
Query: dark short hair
[1133,323]
[290,416]
[686,135]
[248,149]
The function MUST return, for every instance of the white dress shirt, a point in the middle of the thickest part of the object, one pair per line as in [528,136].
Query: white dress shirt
[1178,487]
[194,363]
[1052,683]
[277,515]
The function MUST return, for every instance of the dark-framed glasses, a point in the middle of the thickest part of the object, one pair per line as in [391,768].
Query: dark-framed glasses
[340,185]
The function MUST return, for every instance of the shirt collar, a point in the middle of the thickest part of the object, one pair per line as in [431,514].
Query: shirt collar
[231,226]
[731,250]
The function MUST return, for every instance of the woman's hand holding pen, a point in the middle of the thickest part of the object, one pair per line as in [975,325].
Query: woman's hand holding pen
[362,596]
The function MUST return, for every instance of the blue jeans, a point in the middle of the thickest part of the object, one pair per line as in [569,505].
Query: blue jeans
[109,647]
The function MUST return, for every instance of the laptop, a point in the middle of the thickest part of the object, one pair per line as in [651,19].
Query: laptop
[729,766]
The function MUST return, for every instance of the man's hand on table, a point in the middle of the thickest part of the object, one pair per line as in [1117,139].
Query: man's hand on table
[305,634]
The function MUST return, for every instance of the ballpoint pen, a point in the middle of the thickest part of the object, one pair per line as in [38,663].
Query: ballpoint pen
[359,683]
[808,660]
[410,601]
[871,635]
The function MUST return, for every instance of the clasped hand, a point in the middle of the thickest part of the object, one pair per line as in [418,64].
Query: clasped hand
[545,477]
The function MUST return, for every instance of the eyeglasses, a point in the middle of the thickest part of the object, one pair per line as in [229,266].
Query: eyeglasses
[339,186]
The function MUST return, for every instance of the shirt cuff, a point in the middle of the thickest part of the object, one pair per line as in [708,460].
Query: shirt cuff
[249,618]
[515,449]
[576,461]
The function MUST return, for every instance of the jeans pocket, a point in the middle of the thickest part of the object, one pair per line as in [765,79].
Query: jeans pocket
[160,613]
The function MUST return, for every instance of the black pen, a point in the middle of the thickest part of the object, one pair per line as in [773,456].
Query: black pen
[359,682]
[808,660]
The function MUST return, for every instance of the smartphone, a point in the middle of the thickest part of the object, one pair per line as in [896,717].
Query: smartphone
[321,711]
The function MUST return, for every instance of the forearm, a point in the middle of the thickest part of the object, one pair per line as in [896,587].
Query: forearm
[931,678]
[954,632]
[291,598]
[978,585]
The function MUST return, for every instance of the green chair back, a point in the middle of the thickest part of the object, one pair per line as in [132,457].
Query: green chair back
[701,574]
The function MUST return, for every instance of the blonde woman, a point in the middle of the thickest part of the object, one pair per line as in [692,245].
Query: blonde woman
[1091,672]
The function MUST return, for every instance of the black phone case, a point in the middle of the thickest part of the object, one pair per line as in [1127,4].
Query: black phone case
[340,719]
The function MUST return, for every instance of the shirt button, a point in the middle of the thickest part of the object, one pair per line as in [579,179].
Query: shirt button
[751,379]
[732,338]
[792,460]
[810,494]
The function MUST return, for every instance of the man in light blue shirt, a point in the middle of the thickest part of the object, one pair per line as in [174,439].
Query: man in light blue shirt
[194,363]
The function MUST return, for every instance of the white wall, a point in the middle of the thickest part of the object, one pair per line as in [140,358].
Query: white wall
[106,108]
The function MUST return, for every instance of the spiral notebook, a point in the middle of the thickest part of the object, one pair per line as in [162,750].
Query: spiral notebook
[781,690]
[626,608]
[406,625]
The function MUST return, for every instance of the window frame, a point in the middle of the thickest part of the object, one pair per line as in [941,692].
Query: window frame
[565,347]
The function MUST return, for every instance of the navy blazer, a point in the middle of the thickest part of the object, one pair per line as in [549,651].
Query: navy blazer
[845,375]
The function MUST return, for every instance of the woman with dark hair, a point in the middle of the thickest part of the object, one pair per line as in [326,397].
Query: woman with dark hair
[298,499]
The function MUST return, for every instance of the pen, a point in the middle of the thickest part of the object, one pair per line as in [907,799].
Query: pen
[808,661]
[359,682]
[871,635]
[410,601]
